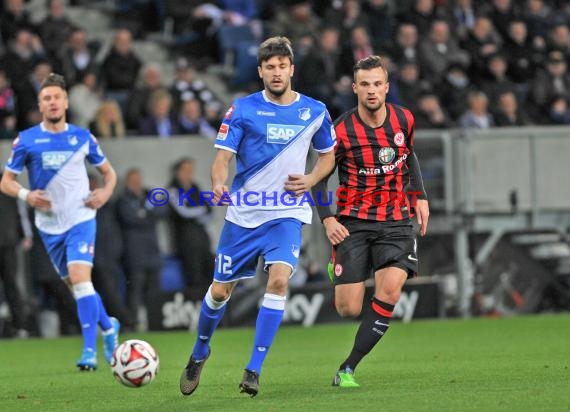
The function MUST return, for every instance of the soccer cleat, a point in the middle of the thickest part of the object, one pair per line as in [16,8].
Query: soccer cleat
[345,379]
[250,383]
[190,377]
[111,339]
[88,360]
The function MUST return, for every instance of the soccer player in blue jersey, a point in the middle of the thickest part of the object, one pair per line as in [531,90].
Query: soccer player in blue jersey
[54,153]
[269,133]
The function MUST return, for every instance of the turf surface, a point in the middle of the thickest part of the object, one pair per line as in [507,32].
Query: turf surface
[512,364]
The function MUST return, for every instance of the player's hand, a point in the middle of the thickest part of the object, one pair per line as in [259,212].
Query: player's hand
[299,184]
[27,243]
[335,231]
[422,214]
[39,199]
[97,198]
[219,191]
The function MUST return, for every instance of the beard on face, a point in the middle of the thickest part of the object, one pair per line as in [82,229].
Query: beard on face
[373,108]
[54,120]
[276,92]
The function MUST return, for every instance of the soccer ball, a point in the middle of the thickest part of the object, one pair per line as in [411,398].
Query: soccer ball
[135,363]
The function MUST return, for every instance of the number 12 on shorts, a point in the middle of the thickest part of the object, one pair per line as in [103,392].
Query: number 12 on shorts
[224,264]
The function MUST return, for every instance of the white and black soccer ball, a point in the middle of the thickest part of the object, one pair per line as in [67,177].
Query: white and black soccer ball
[135,363]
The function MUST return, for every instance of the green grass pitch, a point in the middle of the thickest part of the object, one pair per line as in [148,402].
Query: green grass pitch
[510,364]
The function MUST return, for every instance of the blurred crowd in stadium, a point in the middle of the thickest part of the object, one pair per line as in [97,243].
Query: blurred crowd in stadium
[454,63]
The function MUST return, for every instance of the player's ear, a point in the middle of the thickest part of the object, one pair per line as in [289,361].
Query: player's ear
[292,70]
[387,87]
[354,88]
[259,72]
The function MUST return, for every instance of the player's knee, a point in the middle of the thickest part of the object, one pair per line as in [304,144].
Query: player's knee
[277,286]
[390,295]
[220,292]
[348,309]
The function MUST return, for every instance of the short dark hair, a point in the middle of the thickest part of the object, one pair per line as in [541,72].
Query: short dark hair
[53,79]
[369,63]
[275,46]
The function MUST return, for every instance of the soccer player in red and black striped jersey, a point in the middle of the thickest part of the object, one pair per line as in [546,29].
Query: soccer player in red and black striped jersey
[379,184]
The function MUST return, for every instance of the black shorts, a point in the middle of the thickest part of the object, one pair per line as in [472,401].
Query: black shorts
[372,246]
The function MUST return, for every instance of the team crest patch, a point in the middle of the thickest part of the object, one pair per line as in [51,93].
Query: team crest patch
[399,138]
[72,140]
[223,132]
[83,247]
[386,155]
[295,250]
[305,113]
[338,269]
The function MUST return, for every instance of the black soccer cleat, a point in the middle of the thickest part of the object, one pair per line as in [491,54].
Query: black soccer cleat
[250,383]
[190,377]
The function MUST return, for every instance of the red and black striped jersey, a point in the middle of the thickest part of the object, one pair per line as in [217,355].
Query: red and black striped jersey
[372,165]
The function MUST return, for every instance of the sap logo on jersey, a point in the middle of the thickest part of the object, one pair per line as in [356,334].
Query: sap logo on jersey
[54,160]
[282,133]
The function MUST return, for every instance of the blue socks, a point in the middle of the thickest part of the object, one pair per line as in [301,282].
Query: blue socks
[88,312]
[268,321]
[211,314]
[103,319]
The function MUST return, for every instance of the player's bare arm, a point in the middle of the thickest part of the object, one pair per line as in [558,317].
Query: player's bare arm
[219,173]
[422,214]
[38,199]
[299,184]
[335,231]
[101,195]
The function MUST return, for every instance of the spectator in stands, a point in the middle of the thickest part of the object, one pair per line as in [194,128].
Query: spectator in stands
[406,46]
[359,47]
[77,58]
[322,62]
[346,17]
[409,84]
[438,51]
[549,83]
[213,113]
[508,112]
[242,12]
[142,260]
[477,115]
[7,108]
[139,99]
[463,17]
[188,227]
[13,19]
[27,95]
[16,231]
[108,122]
[85,98]
[422,15]
[55,30]
[120,69]
[191,120]
[559,112]
[23,52]
[502,13]
[430,114]
[187,86]
[159,122]
[537,17]
[481,43]
[496,81]
[454,90]
[522,56]
[381,22]
[107,272]
[559,38]
[296,21]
